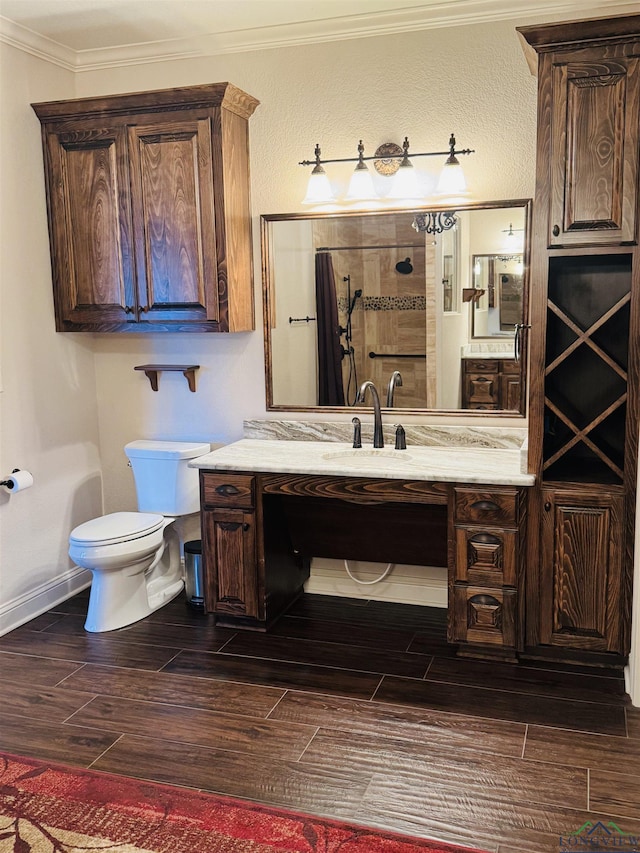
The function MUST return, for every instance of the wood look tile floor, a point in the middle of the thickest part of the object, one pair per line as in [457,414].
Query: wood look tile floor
[350,709]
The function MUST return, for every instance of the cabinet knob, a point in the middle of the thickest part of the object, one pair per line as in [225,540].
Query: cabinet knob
[246,526]
[485,506]
[547,505]
[555,230]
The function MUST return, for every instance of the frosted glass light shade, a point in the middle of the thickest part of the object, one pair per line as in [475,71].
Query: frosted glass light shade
[452,181]
[361,186]
[405,186]
[319,188]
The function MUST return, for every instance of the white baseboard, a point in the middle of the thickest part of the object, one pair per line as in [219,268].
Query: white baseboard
[31,604]
[423,585]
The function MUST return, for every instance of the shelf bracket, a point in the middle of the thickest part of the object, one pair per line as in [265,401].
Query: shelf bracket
[151,372]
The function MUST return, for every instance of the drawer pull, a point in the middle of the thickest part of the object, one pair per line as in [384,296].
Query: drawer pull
[226,490]
[485,539]
[484,600]
[485,506]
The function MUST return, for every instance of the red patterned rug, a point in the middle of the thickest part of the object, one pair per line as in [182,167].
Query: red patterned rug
[50,808]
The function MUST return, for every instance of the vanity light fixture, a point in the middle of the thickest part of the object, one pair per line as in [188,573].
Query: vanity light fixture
[390,160]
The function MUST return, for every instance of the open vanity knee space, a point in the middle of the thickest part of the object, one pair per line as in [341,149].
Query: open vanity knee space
[269,506]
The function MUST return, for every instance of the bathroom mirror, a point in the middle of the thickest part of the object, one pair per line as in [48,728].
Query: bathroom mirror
[356,295]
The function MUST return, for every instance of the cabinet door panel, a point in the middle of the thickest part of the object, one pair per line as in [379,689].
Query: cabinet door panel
[594,156]
[172,196]
[231,541]
[581,569]
[90,227]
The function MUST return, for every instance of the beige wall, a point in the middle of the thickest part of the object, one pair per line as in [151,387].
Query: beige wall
[65,395]
[48,413]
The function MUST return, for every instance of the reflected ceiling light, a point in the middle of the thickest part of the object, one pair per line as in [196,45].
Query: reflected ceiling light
[319,188]
[512,242]
[390,160]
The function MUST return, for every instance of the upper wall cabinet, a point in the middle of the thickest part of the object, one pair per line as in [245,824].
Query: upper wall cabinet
[148,204]
[591,97]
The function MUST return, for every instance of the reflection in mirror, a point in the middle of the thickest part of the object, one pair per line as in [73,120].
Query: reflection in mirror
[356,296]
[499,308]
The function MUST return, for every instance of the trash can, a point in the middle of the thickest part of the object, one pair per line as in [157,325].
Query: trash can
[194,583]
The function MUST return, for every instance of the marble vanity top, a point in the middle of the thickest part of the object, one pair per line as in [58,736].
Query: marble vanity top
[492,466]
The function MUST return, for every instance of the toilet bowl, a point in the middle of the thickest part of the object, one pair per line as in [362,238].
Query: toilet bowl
[136,558]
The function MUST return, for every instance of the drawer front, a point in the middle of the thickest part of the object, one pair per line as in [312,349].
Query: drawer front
[511,366]
[484,616]
[486,556]
[495,507]
[232,490]
[487,365]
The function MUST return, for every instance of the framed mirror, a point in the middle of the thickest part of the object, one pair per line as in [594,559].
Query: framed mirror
[350,296]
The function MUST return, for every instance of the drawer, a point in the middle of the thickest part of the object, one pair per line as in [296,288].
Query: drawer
[495,507]
[233,490]
[484,616]
[511,366]
[486,556]
[487,365]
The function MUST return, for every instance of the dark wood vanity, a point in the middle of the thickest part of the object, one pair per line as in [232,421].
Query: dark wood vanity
[260,531]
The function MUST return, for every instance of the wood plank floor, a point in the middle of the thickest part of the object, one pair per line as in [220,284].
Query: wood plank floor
[350,709]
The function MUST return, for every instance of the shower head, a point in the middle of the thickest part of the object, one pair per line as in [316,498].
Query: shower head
[356,295]
[404,267]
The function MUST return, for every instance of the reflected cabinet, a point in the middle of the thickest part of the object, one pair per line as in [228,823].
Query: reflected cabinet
[585,337]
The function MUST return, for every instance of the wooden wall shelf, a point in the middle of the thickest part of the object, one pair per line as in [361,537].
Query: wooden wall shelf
[151,372]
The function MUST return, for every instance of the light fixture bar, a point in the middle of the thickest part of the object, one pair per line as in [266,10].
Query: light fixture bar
[446,153]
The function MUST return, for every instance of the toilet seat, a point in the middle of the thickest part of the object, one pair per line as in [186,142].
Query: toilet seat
[115,528]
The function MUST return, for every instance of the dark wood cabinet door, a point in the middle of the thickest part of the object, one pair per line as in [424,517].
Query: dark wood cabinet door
[582,542]
[173,219]
[510,388]
[230,543]
[594,146]
[90,227]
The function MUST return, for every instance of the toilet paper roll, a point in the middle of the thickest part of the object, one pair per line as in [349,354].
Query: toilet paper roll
[18,481]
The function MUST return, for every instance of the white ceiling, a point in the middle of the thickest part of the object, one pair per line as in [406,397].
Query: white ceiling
[89,33]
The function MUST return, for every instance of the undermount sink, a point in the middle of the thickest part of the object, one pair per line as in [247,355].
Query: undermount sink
[368,456]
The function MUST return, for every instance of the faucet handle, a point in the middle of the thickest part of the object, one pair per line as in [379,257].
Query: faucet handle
[357,432]
[401,438]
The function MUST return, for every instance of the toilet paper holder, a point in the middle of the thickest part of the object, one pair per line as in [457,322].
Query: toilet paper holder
[9,483]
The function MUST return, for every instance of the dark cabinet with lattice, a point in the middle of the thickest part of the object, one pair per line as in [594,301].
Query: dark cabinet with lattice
[585,336]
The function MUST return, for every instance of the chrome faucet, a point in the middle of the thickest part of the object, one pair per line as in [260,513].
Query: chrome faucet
[378,439]
[394,382]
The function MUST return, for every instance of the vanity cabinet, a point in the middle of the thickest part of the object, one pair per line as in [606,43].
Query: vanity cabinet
[490,383]
[585,337]
[485,615]
[581,567]
[229,537]
[148,205]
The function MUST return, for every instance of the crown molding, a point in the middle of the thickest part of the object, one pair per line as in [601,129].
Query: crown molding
[37,45]
[431,16]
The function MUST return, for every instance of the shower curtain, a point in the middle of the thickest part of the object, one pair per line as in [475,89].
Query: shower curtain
[330,390]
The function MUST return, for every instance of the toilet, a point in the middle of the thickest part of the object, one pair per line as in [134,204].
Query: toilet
[137,557]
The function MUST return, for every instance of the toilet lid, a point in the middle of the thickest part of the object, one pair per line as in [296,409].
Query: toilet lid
[116,527]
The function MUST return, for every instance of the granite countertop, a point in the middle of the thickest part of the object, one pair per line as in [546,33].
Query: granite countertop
[491,466]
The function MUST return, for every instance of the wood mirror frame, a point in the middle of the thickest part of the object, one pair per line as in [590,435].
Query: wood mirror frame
[325,224]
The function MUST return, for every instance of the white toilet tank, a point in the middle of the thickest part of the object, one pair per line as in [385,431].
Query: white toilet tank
[164,482]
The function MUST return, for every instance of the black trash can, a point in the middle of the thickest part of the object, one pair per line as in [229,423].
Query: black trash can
[194,582]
